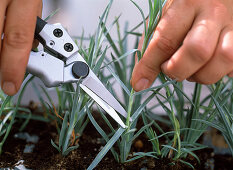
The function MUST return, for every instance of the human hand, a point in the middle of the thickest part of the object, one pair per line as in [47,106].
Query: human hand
[17,22]
[193,41]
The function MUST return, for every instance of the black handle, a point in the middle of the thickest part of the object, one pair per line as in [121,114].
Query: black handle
[39,25]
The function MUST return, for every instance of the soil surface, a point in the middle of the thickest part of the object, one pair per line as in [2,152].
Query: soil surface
[45,156]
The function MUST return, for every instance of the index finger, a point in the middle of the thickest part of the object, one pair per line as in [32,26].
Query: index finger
[167,38]
[17,43]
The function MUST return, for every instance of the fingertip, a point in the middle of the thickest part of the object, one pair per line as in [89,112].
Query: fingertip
[9,88]
[142,84]
[133,77]
[11,80]
[142,77]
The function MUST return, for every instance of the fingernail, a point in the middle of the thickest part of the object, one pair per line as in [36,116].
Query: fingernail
[9,88]
[142,84]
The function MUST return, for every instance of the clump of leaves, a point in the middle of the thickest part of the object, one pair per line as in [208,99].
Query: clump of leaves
[133,102]
[220,110]
[8,113]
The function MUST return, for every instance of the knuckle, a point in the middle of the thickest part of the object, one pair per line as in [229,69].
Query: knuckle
[17,38]
[226,54]
[10,74]
[200,51]
[166,45]
[148,68]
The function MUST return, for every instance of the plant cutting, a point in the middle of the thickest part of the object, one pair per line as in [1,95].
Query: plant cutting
[87,137]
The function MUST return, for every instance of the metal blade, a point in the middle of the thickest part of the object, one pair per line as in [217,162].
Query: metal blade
[95,85]
[104,105]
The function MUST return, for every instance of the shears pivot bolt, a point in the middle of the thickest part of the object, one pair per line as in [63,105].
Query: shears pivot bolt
[80,69]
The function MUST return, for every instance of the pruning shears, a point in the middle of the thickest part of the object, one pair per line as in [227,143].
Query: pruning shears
[60,62]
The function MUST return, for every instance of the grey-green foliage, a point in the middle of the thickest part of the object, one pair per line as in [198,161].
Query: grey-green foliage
[194,114]
[74,104]
[119,68]
[4,118]
[72,115]
[221,110]
[8,113]
[182,140]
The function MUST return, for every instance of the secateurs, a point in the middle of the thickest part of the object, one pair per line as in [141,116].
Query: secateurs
[60,62]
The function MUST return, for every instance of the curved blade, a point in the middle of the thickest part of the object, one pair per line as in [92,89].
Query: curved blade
[94,84]
[104,105]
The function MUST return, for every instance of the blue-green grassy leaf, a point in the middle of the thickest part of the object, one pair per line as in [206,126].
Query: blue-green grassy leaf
[33,117]
[110,40]
[83,110]
[130,131]
[69,150]
[95,124]
[224,119]
[55,146]
[170,147]
[15,111]
[154,88]
[2,123]
[3,105]
[139,155]
[101,132]
[138,34]
[142,14]
[83,126]
[118,59]
[106,148]
[191,153]
[52,14]
[215,125]
[140,131]
[187,163]
[141,107]
[106,120]
[100,61]
[118,80]
[25,122]
[63,132]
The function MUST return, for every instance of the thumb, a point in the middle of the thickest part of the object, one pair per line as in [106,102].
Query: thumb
[143,74]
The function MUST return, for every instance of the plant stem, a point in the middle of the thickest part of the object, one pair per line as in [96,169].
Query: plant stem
[175,122]
[126,145]
[131,99]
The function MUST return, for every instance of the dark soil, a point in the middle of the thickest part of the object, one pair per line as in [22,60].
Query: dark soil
[45,156]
